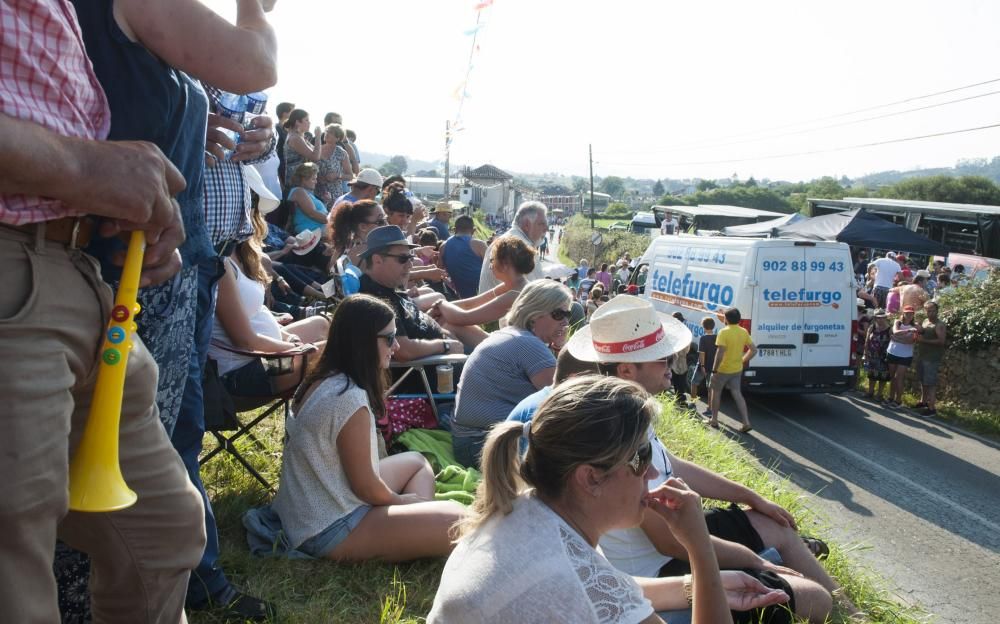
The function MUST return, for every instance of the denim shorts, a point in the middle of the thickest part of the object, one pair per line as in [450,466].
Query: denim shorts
[322,543]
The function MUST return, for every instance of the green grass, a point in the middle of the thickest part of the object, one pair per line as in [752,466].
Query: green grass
[314,592]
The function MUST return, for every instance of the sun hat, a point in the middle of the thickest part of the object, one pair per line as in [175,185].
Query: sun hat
[923,273]
[385,236]
[441,206]
[880,313]
[628,329]
[306,241]
[267,201]
[368,176]
[891,255]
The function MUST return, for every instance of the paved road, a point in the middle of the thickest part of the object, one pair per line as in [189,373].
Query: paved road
[924,497]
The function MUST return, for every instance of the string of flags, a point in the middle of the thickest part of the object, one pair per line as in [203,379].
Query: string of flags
[460,94]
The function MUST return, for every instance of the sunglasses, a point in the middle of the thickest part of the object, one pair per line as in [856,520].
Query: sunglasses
[641,460]
[389,338]
[400,258]
[560,315]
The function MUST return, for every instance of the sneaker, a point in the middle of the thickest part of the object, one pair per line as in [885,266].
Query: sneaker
[235,606]
[920,405]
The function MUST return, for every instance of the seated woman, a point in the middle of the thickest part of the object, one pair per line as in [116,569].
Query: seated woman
[511,260]
[510,364]
[528,552]
[337,500]
[349,225]
[243,322]
[310,212]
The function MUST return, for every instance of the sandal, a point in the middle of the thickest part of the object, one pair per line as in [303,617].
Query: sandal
[746,429]
[713,425]
[816,546]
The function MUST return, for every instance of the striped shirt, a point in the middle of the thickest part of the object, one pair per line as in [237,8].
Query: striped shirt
[497,376]
[46,78]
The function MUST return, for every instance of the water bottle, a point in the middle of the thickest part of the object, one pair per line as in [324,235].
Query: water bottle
[256,105]
[232,106]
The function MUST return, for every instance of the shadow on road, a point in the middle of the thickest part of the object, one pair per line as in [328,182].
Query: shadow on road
[968,490]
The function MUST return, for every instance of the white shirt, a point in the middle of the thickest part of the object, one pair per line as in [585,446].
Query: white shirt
[885,271]
[531,566]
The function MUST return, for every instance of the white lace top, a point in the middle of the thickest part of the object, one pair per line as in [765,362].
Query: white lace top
[530,566]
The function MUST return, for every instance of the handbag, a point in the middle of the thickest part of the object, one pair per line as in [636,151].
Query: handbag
[405,414]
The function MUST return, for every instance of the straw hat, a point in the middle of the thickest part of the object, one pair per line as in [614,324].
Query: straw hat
[306,241]
[628,329]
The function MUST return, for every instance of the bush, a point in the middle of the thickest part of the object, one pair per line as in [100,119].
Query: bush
[972,314]
[576,243]
[618,210]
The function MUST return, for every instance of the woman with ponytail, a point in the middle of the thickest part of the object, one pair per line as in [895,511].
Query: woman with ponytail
[528,550]
[337,500]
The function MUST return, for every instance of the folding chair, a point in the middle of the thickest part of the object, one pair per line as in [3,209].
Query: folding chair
[418,366]
[219,423]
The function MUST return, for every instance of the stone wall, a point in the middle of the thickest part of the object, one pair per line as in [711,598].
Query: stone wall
[968,379]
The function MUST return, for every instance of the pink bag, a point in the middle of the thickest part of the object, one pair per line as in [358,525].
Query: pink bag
[404,414]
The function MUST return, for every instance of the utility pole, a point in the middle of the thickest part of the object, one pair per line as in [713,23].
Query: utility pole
[590,151]
[447,158]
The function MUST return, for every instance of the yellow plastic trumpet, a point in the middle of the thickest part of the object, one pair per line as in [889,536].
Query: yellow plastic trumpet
[95,476]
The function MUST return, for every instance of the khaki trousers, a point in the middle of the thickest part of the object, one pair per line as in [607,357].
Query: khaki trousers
[53,311]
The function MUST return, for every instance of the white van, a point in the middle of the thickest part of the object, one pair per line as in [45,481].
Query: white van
[797,300]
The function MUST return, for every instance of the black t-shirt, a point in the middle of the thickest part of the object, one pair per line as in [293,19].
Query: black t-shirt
[410,321]
[706,344]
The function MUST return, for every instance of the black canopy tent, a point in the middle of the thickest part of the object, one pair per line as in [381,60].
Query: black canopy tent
[860,228]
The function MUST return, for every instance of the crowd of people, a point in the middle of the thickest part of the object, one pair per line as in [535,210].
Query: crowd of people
[582,512]
[892,290]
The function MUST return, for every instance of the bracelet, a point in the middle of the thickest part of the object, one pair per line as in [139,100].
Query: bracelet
[688,590]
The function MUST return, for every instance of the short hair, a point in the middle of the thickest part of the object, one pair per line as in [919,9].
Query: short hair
[330,117]
[465,224]
[514,253]
[537,298]
[591,270]
[568,366]
[733,316]
[284,108]
[303,171]
[335,129]
[708,323]
[944,279]
[959,268]
[351,135]
[532,209]
[920,279]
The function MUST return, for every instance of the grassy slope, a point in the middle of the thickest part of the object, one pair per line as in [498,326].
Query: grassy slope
[311,592]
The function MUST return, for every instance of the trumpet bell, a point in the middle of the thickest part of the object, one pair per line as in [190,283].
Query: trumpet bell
[96,482]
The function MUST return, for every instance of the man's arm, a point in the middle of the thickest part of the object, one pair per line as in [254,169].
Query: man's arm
[712,485]
[720,353]
[130,182]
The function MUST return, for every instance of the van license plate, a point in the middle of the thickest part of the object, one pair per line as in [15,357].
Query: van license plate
[780,353]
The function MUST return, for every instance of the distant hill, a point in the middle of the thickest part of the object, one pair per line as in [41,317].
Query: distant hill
[988,168]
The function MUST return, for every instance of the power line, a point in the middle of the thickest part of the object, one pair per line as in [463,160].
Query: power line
[807,153]
[827,127]
[708,142]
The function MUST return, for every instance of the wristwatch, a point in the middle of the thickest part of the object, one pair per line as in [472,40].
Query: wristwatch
[447,347]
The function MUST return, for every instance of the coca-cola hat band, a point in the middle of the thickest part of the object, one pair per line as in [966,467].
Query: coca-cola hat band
[628,329]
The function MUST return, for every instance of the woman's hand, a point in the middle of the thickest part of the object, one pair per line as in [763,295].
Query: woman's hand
[744,592]
[680,506]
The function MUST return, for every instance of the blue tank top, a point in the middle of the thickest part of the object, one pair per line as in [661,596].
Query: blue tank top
[463,265]
[300,220]
[150,101]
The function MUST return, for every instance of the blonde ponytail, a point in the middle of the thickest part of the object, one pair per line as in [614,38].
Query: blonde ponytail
[501,483]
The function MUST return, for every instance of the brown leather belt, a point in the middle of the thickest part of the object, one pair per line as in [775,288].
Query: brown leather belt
[74,232]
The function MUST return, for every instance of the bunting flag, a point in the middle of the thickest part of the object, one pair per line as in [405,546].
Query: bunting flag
[461,92]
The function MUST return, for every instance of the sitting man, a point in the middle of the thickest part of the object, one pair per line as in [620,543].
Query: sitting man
[642,353]
[386,264]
